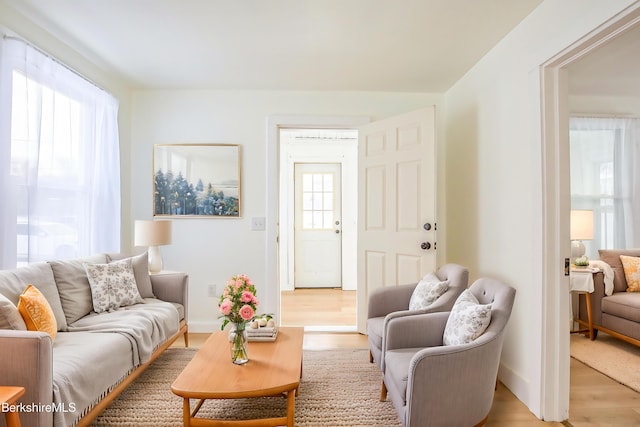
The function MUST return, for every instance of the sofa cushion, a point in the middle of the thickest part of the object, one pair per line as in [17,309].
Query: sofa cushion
[429,289]
[140,271]
[178,306]
[612,257]
[623,304]
[10,317]
[631,266]
[73,285]
[113,285]
[39,274]
[36,312]
[85,366]
[467,321]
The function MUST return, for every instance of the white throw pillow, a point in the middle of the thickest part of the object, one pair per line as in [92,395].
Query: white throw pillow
[467,321]
[112,285]
[429,289]
[10,317]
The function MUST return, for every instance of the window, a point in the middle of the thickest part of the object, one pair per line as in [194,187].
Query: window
[62,181]
[603,154]
[317,201]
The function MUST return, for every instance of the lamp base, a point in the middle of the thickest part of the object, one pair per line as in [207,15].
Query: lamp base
[155,260]
[577,250]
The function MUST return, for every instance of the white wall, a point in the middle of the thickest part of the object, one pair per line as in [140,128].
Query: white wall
[211,250]
[625,106]
[494,178]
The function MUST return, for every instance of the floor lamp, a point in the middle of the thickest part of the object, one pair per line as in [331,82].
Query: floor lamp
[153,234]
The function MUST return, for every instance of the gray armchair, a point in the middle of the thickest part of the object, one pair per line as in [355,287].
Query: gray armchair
[392,302]
[435,385]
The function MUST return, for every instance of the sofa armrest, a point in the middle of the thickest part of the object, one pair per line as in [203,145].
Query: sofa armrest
[383,301]
[467,371]
[421,330]
[172,287]
[26,360]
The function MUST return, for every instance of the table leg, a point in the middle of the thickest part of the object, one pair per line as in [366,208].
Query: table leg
[186,412]
[587,298]
[12,419]
[291,407]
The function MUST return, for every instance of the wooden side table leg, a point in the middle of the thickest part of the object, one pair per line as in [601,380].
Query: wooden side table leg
[13,419]
[587,297]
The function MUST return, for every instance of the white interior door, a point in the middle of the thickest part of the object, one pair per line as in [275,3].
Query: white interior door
[396,203]
[317,229]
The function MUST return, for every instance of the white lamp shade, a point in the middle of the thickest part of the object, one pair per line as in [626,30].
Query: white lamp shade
[581,225]
[152,233]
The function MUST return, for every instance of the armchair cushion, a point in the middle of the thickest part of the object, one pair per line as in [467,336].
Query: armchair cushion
[467,321]
[429,289]
[612,257]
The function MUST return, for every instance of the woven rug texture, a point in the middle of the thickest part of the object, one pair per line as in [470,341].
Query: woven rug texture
[616,359]
[338,388]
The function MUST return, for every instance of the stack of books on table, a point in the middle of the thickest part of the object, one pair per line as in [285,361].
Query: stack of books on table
[263,333]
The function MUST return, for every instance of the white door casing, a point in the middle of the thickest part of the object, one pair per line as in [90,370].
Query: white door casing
[317,228]
[396,199]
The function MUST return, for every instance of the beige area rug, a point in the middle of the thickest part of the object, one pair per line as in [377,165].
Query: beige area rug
[616,359]
[338,388]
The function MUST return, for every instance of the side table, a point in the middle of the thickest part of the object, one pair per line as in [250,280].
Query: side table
[9,395]
[581,282]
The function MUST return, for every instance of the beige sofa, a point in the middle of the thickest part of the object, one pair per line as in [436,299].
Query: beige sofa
[617,314]
[93,357]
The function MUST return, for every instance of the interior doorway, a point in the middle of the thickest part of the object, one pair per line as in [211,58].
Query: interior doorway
[317,228]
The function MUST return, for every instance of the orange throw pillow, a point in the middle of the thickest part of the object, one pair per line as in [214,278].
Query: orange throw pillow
[631,265]
[36,312]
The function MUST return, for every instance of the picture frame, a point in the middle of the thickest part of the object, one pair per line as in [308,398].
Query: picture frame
[197,180]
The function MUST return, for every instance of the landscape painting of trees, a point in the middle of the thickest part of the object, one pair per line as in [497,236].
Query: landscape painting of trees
[196,180]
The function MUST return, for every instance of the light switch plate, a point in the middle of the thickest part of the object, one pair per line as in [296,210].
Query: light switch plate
[257,223]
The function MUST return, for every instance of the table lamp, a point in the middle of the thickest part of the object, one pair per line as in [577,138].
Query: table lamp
[153,234]
[581,229]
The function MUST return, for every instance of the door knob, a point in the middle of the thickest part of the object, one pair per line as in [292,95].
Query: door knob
[425,246]
[427,226]
[337,231]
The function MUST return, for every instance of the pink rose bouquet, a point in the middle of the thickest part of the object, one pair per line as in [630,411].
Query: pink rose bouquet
[238,301]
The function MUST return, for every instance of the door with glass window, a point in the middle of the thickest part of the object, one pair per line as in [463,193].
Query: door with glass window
[317,230]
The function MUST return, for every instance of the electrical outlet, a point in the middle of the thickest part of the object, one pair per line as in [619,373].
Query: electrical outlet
[212,291]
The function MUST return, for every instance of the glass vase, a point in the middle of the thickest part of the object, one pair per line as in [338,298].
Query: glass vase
[239,347]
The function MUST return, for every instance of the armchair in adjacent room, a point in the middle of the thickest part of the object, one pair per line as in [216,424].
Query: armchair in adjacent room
[433,379]
[392,302]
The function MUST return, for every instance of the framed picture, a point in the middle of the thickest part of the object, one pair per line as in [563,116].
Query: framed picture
[196,180]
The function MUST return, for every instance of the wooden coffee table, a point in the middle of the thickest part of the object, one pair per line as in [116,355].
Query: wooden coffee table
[274,369]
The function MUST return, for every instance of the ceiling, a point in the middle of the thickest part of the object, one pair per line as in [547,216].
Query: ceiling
[360,45]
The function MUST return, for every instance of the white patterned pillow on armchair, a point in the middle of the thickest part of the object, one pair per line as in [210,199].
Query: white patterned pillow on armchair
[467,321]
[429,289]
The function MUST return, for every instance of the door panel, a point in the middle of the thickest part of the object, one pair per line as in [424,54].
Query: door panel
[397,193]
[317,229]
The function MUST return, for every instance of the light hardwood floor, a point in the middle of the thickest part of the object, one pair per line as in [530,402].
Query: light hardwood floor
[596,400]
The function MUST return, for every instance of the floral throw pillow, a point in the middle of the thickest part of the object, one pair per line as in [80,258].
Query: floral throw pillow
[631,265]
[429,289]
[112,285]
[467,321]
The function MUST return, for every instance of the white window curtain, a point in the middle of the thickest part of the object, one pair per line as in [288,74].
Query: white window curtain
[605,178]
[60,161]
